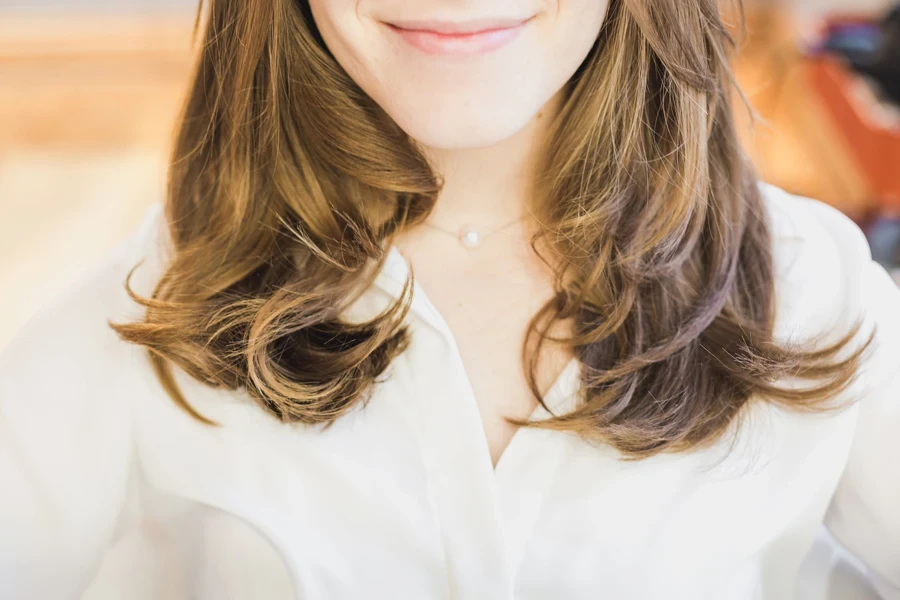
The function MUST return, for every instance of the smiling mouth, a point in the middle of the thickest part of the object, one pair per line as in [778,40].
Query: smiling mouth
[458,39]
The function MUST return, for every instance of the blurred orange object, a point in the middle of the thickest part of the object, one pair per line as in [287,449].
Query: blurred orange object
[869,127]
[794,141]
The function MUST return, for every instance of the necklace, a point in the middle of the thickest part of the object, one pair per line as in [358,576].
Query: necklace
[473,236]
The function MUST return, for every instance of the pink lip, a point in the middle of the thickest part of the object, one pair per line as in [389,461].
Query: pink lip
[461,41]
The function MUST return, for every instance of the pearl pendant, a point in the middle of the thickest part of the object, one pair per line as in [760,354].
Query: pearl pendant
[471,237]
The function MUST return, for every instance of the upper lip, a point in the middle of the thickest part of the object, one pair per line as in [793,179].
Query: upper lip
[451,27]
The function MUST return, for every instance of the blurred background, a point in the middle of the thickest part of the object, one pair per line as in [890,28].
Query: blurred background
[90,90]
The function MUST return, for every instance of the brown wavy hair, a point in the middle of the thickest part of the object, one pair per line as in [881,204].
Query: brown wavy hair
[282,164]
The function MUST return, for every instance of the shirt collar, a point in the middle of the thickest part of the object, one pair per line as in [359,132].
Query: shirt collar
[561,398]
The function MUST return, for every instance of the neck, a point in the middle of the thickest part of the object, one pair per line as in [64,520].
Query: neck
[490,186]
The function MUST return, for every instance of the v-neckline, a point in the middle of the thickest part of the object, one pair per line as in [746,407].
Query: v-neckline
[561,390]
[559,395]
[486,513]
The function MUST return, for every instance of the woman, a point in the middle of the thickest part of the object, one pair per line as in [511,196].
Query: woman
[624,368]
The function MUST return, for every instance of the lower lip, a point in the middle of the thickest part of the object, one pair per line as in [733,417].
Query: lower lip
[479,42]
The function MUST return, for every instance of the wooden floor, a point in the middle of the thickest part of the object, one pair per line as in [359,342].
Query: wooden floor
[87,108]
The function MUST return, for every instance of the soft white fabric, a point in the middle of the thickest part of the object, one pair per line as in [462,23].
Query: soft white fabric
[109,491]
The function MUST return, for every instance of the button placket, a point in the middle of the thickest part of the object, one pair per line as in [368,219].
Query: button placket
[464,489]
[455,452]
[511,495]
[525,475]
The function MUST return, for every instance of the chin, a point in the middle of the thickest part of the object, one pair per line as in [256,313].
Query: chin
[468,125]
[447,136]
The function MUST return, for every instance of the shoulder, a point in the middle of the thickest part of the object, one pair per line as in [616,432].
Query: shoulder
[821,258]
[826,281]
[68,344]
[815,225]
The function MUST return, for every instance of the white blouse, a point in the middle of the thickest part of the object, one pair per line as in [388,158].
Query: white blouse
[109,491]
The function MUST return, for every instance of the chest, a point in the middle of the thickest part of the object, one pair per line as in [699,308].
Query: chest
[487,306]
[397,499]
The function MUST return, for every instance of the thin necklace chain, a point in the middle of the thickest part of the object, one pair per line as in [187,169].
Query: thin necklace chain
[472,236]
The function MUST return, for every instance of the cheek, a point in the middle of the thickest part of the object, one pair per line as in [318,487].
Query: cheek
[572,30]
[579,23]
[343,32]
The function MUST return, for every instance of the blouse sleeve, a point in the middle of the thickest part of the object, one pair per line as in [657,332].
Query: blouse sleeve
[864,513]
[65,435]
